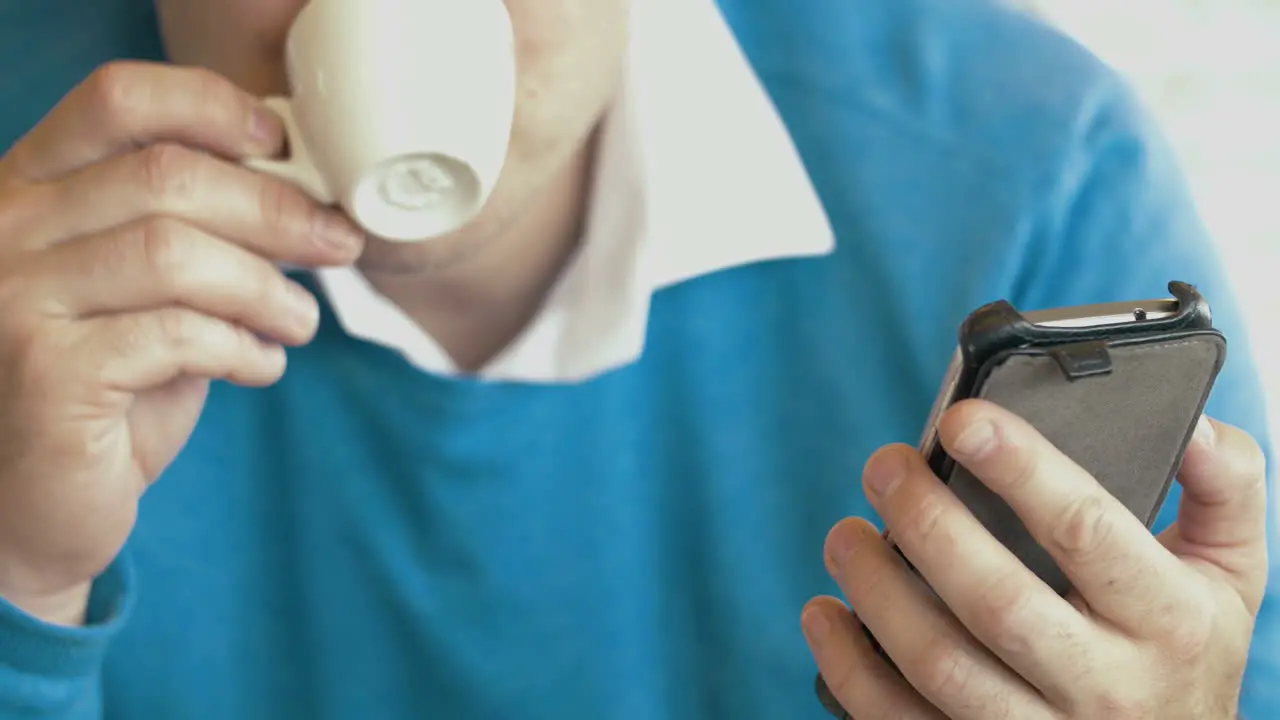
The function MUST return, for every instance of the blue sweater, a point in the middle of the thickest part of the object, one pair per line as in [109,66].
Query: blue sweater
[368,541]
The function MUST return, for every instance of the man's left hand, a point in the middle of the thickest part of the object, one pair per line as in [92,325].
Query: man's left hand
[1155,627]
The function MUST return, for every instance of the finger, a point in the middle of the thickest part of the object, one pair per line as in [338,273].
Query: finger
[860,680]
[140,351]
[161,262]
[1110,557]
[1002,603]
[934,652]
[1222,519]
[267,216]
[126,105]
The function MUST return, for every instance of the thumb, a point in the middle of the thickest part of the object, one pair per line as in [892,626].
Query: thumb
[1223,515]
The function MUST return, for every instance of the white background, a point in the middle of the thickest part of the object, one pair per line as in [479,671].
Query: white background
[1211,71]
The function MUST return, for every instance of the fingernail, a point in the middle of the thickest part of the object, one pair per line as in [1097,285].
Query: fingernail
[1205,434]
[883,472]
[264,129]
[815,624]
[338,234]
[976,440]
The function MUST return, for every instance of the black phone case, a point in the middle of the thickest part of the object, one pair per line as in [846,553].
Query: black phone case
[1122,401]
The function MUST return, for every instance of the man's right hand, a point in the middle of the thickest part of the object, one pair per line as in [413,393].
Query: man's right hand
[138,261]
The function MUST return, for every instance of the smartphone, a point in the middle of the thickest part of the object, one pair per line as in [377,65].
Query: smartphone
[1099,317]
[1117,387]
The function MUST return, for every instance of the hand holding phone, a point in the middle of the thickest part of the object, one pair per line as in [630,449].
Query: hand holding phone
[1096,405]
[1118,388]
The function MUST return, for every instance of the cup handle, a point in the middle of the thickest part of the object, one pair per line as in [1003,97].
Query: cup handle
[299,168]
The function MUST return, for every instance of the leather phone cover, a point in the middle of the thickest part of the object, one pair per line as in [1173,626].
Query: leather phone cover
[1122,401]
[1125,415]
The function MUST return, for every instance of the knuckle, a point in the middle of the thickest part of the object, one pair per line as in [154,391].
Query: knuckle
[116,254]
[173,329]
[133,335]
[168,172]
[161,249]
[208,86]
[179,328]
[1084,529]
[843,682]
[923,522]
[875,580]
[1002,614]
[284,209]
[1020,465]
[217,94]
[115,92]
[1185,629]
[1115,702]
[945,670]
[1188,639]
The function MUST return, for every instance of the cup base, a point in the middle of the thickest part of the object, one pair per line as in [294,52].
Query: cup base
[417,197]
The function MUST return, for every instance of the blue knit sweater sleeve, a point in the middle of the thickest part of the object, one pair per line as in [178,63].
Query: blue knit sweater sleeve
[53,673]
[1121,224]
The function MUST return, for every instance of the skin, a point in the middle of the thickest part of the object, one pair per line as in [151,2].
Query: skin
[1155,627]
[475,289]
[138,261]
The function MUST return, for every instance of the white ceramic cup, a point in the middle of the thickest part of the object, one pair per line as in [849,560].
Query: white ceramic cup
[400,110]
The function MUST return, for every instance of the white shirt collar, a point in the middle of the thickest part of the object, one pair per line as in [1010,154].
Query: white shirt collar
[695,173]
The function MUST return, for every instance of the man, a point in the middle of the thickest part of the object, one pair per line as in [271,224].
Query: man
[579,459]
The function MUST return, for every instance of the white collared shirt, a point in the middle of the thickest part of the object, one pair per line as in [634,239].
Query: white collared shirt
[695,173]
